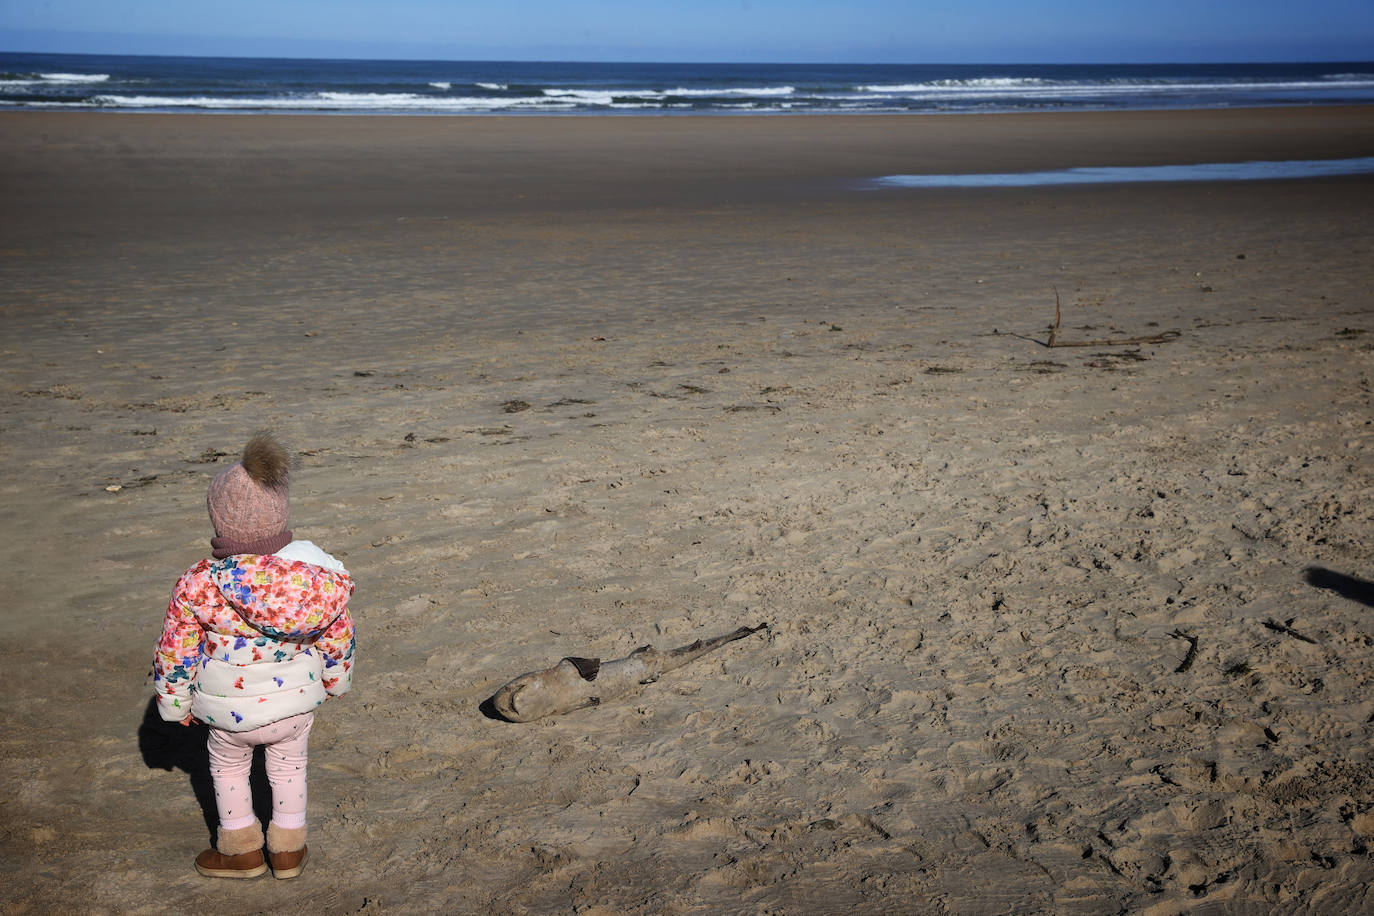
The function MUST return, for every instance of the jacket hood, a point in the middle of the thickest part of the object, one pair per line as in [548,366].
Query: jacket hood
[288,600]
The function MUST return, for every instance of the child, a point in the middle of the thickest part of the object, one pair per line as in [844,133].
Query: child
[255,638]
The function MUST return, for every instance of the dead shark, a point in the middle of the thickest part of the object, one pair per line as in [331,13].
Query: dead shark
[579,683]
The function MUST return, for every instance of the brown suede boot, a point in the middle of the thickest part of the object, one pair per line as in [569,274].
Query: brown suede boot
[237,854]
[286,850]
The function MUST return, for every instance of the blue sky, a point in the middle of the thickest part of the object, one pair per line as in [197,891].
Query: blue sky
[811,31]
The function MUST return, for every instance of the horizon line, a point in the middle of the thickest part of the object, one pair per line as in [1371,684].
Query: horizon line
[712,63]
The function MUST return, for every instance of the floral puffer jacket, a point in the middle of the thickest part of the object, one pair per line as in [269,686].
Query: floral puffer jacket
[250,640]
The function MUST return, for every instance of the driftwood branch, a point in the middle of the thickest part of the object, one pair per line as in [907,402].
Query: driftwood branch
[1192,650]
[1054,341]
[1288,630]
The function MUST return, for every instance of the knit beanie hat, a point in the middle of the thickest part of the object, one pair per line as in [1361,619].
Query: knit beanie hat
[248,502]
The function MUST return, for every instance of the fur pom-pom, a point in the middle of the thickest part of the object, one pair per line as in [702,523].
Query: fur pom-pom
[266,461]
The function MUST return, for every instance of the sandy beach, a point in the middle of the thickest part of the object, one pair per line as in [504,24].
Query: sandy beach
[1051,630]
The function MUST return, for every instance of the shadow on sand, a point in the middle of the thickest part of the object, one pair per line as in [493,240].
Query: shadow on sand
[1343,585]
[172,746]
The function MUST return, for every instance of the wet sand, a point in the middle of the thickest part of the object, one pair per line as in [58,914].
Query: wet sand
[1059,630]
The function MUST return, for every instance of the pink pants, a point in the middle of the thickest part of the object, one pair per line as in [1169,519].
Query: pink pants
[231,759]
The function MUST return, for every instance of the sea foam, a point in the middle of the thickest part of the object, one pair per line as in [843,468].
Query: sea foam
[75,77]
[18,81]
[329,101]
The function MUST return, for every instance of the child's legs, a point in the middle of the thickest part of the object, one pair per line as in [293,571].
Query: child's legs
[286,760]
[231,760]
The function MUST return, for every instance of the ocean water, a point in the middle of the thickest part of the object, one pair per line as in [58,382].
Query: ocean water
[120,83]
[1260,170]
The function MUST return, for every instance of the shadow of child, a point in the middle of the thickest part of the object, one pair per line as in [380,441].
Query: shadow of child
[1343,585]
[173,746]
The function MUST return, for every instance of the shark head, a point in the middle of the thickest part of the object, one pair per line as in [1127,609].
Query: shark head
[559,689]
